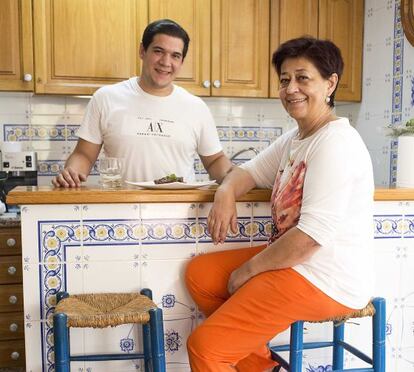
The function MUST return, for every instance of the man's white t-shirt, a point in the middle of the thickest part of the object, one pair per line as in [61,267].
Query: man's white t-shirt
[155,136]
[324,186]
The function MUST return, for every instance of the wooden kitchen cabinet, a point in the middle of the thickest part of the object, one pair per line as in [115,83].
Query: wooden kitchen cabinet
[11,298]
[338,20]
[194,17]
[16,45]
[228,53]
[342,22]
[81,45]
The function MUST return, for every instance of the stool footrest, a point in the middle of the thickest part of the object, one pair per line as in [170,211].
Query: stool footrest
[355,370]
[356,352]
[101,357]
[307,345]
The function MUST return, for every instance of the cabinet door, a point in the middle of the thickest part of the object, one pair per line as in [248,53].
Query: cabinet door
[283,28]
[240,48]
[194,17]
[16,45]
[341,21]
[81,45]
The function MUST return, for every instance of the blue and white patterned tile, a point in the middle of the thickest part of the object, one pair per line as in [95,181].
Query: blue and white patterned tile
[405,348]
[247,108]
[176,331]
[166,280]
[262,225]
[125,276]
[76,105]
[45,230]
[218,106]
[33,346]
[168,230]
[388,220]
[239,239]
[246,150]
[121,339]
[168,211]
[31,293]
[14,102]
[47,105]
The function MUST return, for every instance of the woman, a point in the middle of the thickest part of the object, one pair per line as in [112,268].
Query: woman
[317,263]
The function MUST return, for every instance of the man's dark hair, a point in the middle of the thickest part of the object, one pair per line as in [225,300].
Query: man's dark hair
[167,27]
[324,55]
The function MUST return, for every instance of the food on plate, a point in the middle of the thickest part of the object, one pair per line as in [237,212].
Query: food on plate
[169,179]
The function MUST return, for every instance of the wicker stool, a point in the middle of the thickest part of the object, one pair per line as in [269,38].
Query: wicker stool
[109,309]
[376,309]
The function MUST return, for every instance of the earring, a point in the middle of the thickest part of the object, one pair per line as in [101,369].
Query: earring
[328,99]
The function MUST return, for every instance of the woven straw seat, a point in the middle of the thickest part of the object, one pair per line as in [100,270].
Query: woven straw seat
[368,310]
[376,363]
[100,310]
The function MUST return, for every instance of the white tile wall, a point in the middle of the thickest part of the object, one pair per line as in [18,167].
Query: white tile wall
[48,124]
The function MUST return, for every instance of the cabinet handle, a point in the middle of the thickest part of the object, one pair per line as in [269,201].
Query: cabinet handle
[11,270]
[206,84]
[27,77]
[15,355]
[13,299]
[217,84]
[13,327]
[11,242]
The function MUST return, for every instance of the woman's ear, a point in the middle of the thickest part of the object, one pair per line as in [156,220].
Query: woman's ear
[333,82]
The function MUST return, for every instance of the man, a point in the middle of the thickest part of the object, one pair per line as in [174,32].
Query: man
[154,125]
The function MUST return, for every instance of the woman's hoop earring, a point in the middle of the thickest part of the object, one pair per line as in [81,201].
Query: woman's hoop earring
[328,99]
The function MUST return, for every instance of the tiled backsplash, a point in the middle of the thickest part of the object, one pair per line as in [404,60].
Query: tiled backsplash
[47,124]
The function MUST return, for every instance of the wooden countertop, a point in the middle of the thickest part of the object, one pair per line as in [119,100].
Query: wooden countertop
[92,195]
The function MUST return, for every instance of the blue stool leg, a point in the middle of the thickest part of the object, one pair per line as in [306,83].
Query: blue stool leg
[146,335]
[61,341]
[338,350]
[296,346]
[378,335]
[157,340]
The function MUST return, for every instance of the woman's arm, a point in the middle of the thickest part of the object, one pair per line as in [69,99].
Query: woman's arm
[223,212]
[292,248]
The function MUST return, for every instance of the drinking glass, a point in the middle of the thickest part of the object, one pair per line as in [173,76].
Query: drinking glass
[111,172]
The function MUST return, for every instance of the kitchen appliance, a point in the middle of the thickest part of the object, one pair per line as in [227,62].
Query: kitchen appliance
[17,168]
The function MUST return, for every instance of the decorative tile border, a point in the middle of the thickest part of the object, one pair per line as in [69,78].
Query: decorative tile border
[397,86]
[53,167]
[409,226]
[388,226]
[26,132]
[56,237]
[249,134]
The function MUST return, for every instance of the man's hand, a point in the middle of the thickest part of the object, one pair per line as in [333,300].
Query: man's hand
[69,178]
[222,215]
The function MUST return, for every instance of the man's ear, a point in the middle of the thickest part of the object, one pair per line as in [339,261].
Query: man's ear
[141,51]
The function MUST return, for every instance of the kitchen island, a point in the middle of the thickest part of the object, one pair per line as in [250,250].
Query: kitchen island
[96,240]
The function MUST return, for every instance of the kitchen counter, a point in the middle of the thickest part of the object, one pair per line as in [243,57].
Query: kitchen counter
[96,240]
[84,194]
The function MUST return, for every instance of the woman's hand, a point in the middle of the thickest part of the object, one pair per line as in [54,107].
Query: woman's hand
[222,215]
[238,277]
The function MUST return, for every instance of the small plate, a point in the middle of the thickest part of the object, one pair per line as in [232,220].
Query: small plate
[172,185]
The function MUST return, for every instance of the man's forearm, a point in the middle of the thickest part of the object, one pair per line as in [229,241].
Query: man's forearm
[79,162]
[219,168]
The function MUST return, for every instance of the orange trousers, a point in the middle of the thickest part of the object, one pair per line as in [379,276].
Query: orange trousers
[237,329]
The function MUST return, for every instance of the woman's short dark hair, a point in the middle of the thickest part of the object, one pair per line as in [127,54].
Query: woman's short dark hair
[167,27]
[324,54]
